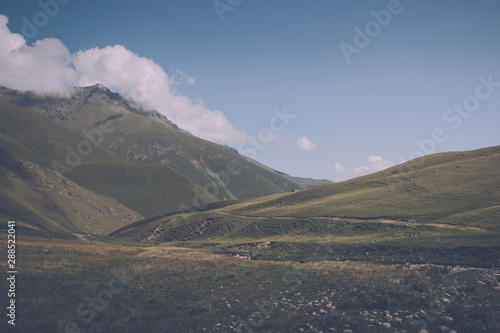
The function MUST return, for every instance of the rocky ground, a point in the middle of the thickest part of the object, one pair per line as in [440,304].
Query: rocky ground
[465,301]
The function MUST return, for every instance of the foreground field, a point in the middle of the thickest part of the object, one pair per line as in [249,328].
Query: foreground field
[101,285]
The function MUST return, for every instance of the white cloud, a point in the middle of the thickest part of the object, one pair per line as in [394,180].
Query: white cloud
[306,144]
[180,78]
[371,165]
[47,66]
[337,167]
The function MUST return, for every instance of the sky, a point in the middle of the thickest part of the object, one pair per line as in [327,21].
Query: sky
[320,89]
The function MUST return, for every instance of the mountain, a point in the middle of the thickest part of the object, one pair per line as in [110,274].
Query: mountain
[434,188]
[130,160]
[49,150]
[302,182]
[305,182]
[36,197]
[147,137]
[62,107]
[450,198]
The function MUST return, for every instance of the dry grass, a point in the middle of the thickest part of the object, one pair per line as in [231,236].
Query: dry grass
[178,289]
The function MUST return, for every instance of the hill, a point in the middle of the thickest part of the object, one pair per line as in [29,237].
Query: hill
[30,138]
[433,188]
[38,198]
[447,203]
[147,137]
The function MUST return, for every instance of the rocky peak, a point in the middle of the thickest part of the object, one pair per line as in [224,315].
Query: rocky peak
[59,107]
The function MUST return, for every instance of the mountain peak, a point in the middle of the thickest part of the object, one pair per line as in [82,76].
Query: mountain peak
[98,87]
[96,94]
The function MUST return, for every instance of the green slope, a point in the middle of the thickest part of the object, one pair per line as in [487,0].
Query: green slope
[426,189]
[149,189]
[457,188]
[42,136]
[136,138]
[450,200]
[38,198]
[144,188]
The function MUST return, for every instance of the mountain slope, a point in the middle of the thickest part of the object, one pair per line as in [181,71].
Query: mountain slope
[305,182]
[37,197]
[147,137]
[44,137]
[441,209]
[35,138]
[447,189]
[428,188]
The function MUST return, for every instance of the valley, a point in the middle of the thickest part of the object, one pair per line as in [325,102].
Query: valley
[153,229]
[233,166]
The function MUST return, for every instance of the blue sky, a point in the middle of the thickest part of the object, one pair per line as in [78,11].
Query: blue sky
[389,101]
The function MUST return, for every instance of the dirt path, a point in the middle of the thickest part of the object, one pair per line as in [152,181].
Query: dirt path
[161,251]
[354,219]
[455,227]
[80,236]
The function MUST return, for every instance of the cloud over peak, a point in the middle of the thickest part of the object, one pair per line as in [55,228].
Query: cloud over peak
[47,66]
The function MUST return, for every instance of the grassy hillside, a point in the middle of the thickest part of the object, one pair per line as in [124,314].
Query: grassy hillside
[42,136]
[144,188]
[136,138]
[148,189]
[36,197]
[305,182]
[432,188]
[450,201]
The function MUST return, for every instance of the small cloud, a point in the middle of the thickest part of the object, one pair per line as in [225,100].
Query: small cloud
[337,167]
[178,77]
[305,144]
[372,164]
